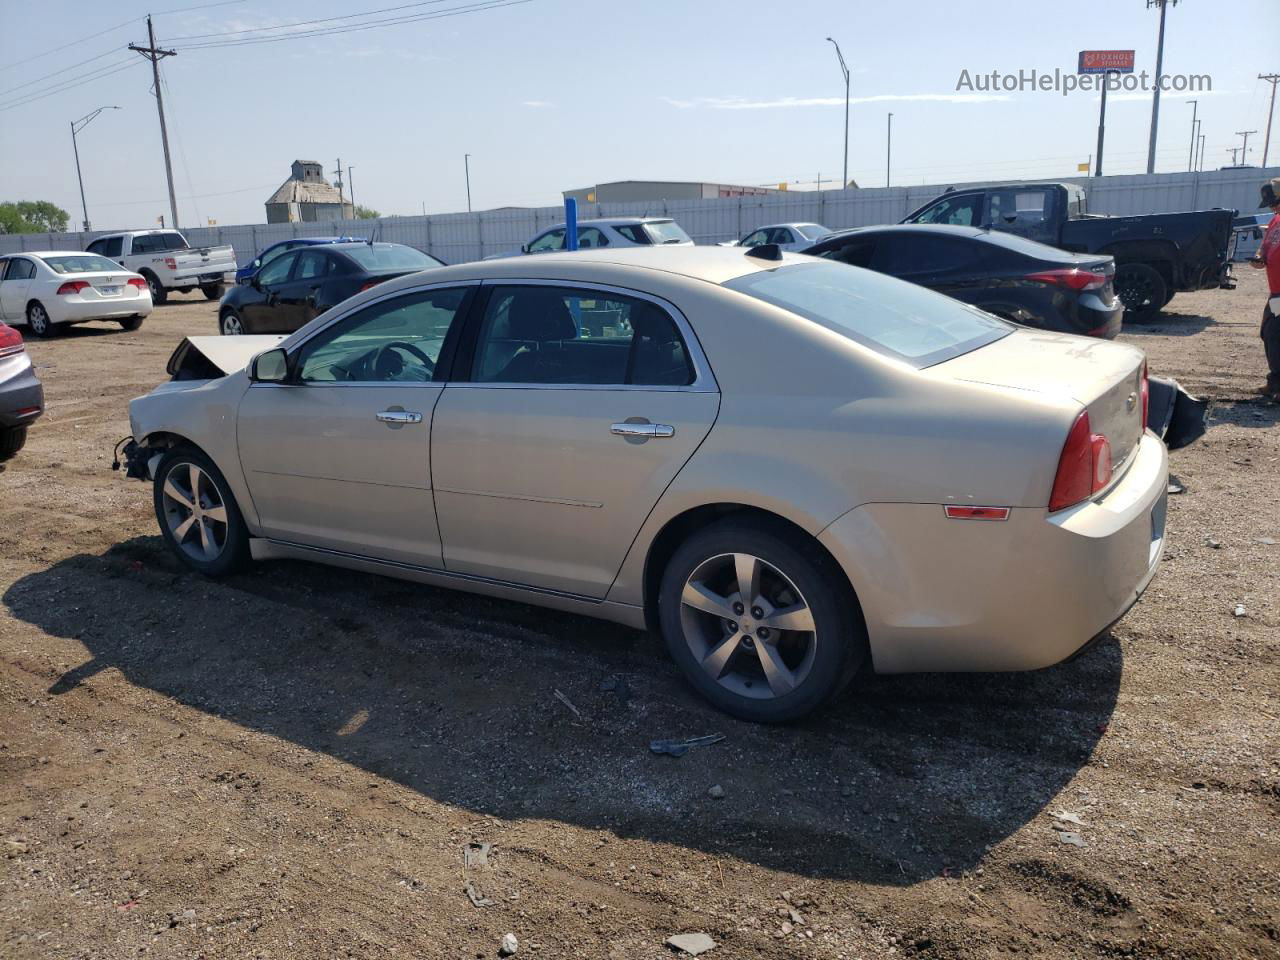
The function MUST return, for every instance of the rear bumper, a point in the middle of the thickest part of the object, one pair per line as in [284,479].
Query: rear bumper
[196,276]
[73,309]
[1097,319]
[1026,593]
[20,392]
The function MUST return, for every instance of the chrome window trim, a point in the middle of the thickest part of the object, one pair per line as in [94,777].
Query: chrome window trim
[704,380]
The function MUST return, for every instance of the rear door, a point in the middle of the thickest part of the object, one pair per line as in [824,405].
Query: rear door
[580,405]
[339,457]
[14,287]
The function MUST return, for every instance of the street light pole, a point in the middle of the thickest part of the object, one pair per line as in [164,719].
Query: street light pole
[844,183]
[466,163]
[351,189]
[888,151]
[76,127]
[1191,157]
[1200,162]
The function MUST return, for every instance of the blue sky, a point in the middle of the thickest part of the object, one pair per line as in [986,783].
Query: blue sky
[552,94]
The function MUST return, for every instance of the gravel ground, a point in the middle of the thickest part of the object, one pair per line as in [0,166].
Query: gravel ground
[290,763]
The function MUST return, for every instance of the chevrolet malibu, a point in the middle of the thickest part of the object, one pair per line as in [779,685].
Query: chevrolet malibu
[791,468]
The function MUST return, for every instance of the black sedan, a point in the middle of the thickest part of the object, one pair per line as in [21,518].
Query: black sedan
[1015,278]
[292,289]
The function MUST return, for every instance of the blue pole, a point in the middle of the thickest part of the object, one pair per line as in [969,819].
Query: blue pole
[571,223]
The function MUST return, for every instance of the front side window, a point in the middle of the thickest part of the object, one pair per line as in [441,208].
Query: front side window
[562,335]
[80,263]
[896,319]
[111,247]
[590,238]
[755,239]
[959,211]
[277,271]
[551,240]
[394,341]
[274,253]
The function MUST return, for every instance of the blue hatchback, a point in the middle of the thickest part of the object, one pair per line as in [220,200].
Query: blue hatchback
[276,249]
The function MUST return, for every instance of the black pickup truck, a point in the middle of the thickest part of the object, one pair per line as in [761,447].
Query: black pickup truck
[1157,255]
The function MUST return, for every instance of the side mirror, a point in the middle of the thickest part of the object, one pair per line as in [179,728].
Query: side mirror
[524,248]
[269,367]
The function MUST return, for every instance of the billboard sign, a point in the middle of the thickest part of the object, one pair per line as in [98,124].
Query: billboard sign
[1106,61]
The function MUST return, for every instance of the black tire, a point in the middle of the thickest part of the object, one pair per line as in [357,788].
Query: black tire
[158,293]
[212,291]
[1142,290]
[230,324]
[839,638]
[131,323]
[12,440]
[1169,295]
[185,289]
[230,539]
[38,321]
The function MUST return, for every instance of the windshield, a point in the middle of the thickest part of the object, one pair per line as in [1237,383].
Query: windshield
[82,263]
[890,316]
[666,231]
[378,257]
[812,231]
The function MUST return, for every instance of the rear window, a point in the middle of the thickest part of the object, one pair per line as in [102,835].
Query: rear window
[812,231]
[377,257]
[666,231]
[1028,248]
[894,318]
[82,263]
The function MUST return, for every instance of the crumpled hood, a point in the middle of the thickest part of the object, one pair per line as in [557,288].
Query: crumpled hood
[194,355]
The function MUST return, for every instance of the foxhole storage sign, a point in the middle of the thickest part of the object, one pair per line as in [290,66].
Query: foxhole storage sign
[1106,61]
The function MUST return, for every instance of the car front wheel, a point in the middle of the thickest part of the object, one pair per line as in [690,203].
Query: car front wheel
[762,624]
[229,325]
[198,515]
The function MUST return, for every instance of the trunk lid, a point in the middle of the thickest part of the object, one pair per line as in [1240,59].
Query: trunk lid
[1104,377]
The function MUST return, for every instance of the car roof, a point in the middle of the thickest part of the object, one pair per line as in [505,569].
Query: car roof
[940,229]
[51,253]
[611,222]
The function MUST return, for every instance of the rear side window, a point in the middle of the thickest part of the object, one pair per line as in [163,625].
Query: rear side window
[916,254]
[633,232]
[1013,208]
[148,243]
[666,231]
[896,319]
[856,252]
[173,241]
[562,335]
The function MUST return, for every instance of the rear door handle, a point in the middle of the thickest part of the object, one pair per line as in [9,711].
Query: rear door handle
[643,430]
[398,417]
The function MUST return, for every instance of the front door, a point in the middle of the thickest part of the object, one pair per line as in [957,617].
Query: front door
[265,312]
[581,406]
[339,456]
[297,297]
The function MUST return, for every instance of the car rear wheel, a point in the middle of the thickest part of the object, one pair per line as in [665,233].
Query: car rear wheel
[158,293]
[1141,289]
[38,321]
[198,515]
[11,441]
[229,324]
[131,323]
[212,291]
[761,625]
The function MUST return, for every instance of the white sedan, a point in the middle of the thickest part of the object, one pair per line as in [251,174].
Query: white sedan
[611,232]
[44,289]
[794,237]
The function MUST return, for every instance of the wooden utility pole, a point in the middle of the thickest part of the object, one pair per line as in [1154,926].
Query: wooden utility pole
[1271,78]
[155,55]
[1155,97]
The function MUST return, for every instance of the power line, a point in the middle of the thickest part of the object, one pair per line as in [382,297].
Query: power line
[31,83]
[303,23]
[92,36]
[355,28]
[71,84]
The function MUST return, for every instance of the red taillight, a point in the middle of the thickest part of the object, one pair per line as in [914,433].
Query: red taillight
[137,282]
[171,263]
[371,283]
[1146,394]
[1084,467]
[977,513]
[1070,279]
[10,341]
[72,286]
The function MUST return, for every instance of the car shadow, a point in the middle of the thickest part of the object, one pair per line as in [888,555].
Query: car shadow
[82,331]
[1168,324]
[518,712]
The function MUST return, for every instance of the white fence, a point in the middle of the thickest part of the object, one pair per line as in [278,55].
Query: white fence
[459,237]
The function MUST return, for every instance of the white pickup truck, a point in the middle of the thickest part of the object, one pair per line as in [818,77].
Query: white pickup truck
[167,262]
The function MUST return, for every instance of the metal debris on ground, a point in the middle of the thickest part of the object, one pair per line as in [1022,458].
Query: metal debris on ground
[476,854]
[678,748]
[1175,485]
[565,700]
[476,897]
[691,943]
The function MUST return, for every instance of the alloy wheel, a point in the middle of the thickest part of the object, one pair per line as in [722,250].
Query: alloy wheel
[231,326]
[748,626]
[195,512]
[157,291]
[38,318]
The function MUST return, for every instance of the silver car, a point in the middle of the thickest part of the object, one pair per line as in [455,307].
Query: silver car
[789,467]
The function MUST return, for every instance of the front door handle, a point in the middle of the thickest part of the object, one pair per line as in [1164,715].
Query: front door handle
[398,417]
[642,430]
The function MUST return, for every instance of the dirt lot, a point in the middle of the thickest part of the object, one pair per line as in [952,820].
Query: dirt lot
[290,763]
